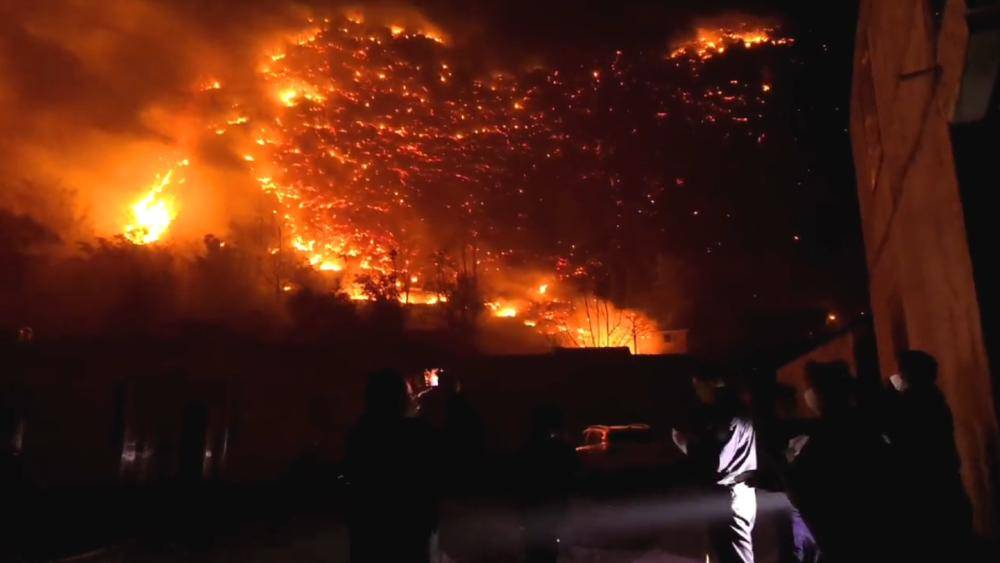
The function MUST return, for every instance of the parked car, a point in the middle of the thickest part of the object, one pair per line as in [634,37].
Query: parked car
[624,447]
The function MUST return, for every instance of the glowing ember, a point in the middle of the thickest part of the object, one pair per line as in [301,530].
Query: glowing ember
[151,215]
[211,85]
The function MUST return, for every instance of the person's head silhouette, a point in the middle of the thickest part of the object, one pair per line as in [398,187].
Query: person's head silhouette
[830,388]
[449,383]
[709,387]
[387,395]
[917,369]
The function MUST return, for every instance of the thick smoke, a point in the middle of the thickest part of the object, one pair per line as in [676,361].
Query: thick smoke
[96,101]
[103,97]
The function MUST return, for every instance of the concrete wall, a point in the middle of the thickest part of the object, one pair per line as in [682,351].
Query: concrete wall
[907,69]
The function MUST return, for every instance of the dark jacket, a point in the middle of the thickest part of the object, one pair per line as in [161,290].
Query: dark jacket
[392,480]
[842,482]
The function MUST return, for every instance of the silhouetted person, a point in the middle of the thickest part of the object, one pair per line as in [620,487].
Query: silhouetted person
[721,443]
[840,476]
[548,468]
[11,437]
[433,403]
[20,502]
[922,434]
[445,409]
[391,477]
[776,422]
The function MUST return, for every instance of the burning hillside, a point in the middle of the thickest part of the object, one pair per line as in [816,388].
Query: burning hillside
[378,158]
[708,42]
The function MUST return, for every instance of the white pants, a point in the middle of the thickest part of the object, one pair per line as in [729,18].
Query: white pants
[732,536]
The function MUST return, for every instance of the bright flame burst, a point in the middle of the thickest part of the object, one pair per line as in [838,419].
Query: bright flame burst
[502,310]
[152,214]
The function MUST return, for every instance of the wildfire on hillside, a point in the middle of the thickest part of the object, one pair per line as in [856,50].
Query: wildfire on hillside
[708,42]
[395,169]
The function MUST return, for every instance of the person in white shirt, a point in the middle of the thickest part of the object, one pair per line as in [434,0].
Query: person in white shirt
[722,445]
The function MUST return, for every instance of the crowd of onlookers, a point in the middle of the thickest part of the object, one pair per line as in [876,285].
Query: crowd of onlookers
[876,476]
[872,474]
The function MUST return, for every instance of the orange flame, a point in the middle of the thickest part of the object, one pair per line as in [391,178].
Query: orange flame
[708,42]
[152,214]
